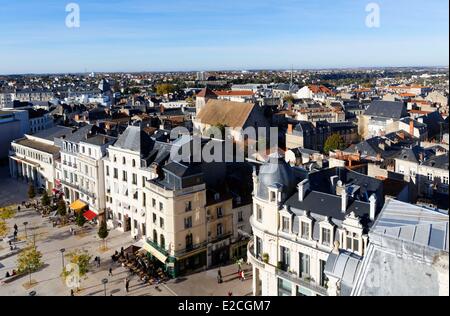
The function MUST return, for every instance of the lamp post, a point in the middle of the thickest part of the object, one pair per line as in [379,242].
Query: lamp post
[62,250]
[105,281]
[25,224]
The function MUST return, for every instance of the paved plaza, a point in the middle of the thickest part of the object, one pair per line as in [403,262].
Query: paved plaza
[49,240]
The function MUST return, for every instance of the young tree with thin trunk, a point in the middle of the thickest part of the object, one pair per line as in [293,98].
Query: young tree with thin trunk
[29,260]
[103,232]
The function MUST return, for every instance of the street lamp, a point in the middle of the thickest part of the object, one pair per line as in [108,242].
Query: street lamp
[25,224]
[104,281]
[62,250]
[32,293]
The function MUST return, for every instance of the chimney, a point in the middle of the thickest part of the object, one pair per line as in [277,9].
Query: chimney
[373,206]
[344,200]
[411,127]
[290,129]
[333,183]
[303,188]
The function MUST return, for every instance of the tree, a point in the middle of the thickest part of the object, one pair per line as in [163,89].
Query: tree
[45,199]
[164,88]
[334,142]
[80,220]
[7,213]
[3,228]
[31,191]
[62,209]
[289,99]
[29,260]
[103,232]
[81,259]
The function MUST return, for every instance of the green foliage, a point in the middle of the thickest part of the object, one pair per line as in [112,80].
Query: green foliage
[334,142]
[29,260]
[7,213]
[31,191]
[62,209]
[103,230]
[81,258]
[45,199]
[289,99]
[135,90]
[164,88]
[80,220]
[3,228]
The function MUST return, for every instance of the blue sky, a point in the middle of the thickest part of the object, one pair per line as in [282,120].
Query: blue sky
[138,35]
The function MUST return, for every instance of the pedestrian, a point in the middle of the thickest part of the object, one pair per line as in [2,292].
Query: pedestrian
[230,293]
[110,272]
[242,275]
[18,208]
[71,293]
[15,235]
[219,277]
[127,284]
[15,227]
[98,262]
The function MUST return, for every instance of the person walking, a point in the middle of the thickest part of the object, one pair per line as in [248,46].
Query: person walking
[219,277]
[15,227]
[98,262]
[242,276]
[127,285]
[110,272]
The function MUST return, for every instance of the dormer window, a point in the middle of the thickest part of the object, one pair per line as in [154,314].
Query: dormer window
[273,196]
[326,237]
[285,227]
[352,241]
[305,230]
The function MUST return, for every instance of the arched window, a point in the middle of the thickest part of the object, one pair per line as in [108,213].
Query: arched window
[155,236]
[124,161]
[134,163]
[162,241]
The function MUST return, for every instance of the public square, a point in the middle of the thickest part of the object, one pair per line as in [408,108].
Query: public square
[50,240]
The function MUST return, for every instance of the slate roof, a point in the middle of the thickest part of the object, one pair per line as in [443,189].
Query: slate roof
[135,139]
[387,109]
[438,162]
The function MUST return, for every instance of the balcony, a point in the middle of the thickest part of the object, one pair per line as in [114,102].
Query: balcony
[79,188]
[304,282]
[254,260]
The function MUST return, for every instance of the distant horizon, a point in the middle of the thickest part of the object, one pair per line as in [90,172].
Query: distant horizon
[52,36]
[230,70]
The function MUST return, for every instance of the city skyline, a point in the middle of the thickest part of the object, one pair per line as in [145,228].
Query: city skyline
[137,36]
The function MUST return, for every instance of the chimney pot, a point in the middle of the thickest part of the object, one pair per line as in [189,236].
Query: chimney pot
[373,206]
[344,200]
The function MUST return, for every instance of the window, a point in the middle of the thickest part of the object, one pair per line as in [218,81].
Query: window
[134,179]
[430,177]
[144,199]
[285,258]
[162,241]
[114,158]
[189,242]
[258,213]
[273,196]
[155,218]
[135,195]
[305,230]
[188,206]
[219,212]
[155,236]
[259,247]
[161,222]
[352,241]
[240,216]
[285,224]
[161,206]
[134,163]
[401,169]
[144,231]
[219,230]
[153,203]
[107,171]
[136,224]
[284,288]
[116,173]
[323,277]
[326,237]
[124,176]
[124,161]
[304,265]
[188,222]
[445,180]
